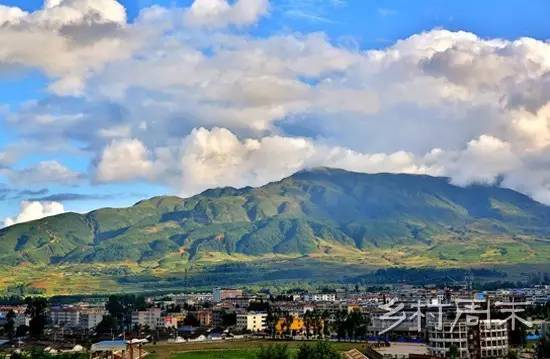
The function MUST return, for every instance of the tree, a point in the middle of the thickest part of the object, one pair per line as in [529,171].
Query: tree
[276,351]
[229,319]
[319,350]
[120,307]
[273,316]
[9,327]
[191,320]
[453,351]
[340,324]
[356,324]
[108,324]
[35,353]
[36,309]
[543,349]
[517,336]
[21,331]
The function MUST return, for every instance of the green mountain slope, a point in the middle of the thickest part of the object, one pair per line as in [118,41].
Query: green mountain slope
[378,219]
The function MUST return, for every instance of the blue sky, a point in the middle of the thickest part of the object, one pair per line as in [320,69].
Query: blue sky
[76,120]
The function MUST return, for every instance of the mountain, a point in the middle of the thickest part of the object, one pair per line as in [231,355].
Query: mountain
[327,215]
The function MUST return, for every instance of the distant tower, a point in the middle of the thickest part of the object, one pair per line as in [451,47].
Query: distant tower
[469,279]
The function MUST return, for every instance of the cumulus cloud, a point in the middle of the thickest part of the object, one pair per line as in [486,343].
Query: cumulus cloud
[217,157]
[220,13]
[124,160]
[186,97]
[11,15]
[32,210]
[483,161]
[78,36]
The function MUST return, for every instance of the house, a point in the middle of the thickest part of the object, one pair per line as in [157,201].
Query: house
[170,321]
[254,322]
[354,354]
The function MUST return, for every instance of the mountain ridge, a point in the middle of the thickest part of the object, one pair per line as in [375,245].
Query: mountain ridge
[326,214]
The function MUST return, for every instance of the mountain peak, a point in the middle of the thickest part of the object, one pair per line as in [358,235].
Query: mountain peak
[382,219]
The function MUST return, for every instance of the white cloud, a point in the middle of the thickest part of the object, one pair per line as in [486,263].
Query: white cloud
[78,36]
[32,210]
[45,172]
[482,161]
[186,96]
[124,160]
[212,158]
[220,13]
[10,15]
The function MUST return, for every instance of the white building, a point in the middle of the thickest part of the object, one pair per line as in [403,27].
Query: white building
[148,318]
[170,322]
[22,319]
[75,317]
[254,322]
[490,341]
[65,317]
[193,298]
[320,297]
[89,319]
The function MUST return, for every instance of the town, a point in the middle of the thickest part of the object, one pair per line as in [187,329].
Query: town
[401,321]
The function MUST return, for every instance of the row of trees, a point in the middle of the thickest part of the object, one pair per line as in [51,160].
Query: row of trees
[36,310]
[40,354]
[319,350]
[319,324]
[120,308]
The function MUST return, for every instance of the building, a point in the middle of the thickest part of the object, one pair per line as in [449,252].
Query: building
[254,322]
[170,321]
[22,319]
[204,317]
[68,317]
[148,318]
[76,317]
[89,319]
[192,299]
[220,294]
[320,297]
[487,340]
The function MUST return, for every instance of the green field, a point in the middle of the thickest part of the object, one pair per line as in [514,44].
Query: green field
[225,349]
[218,354]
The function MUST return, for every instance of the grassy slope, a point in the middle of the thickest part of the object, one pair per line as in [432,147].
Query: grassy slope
[324,216]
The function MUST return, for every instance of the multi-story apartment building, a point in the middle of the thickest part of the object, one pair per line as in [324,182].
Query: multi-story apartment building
[148,318]
[204,317]
[68,317]
[254,322]
[487,340]
[90,318]
[76,317]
